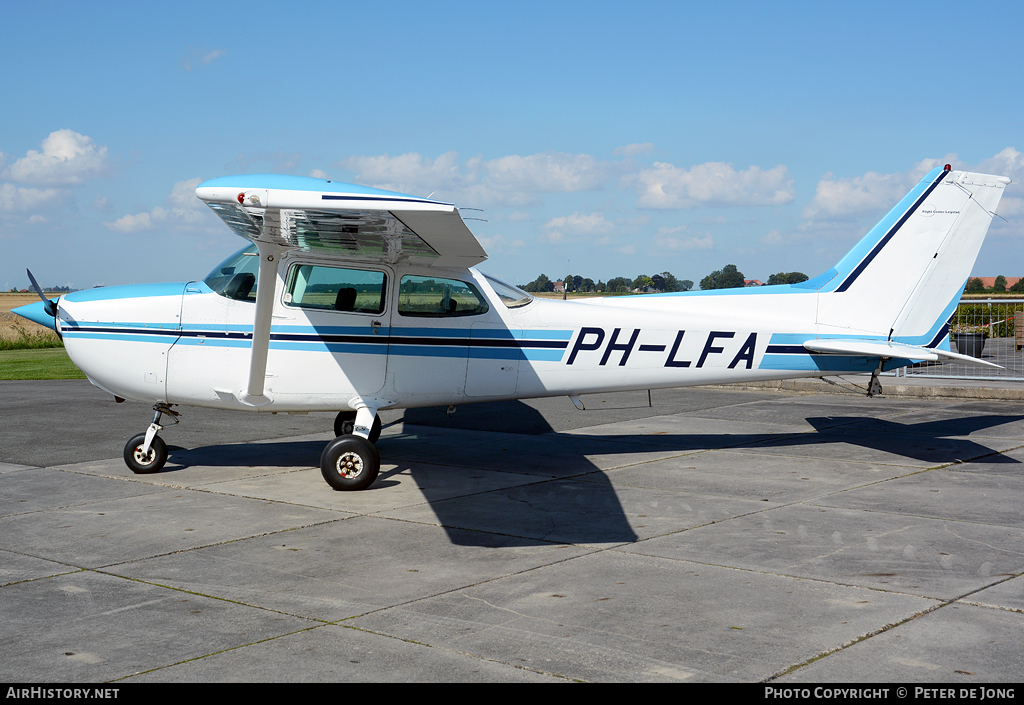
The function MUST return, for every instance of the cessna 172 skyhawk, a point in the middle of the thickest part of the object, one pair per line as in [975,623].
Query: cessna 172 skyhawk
[353,299]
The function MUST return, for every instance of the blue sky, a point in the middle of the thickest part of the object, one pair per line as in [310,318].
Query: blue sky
[601,139]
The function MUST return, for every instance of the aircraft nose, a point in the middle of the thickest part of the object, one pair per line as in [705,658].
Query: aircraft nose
[37,314]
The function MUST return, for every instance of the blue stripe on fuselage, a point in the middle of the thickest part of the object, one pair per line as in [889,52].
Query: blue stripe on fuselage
[544,345]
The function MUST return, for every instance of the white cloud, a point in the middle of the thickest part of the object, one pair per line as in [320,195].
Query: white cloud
[511,180]
[135,223]
[204,58]
[19,199]
[185,209]
[102,204]
[841,199]
[1009,162]
[849,198]
[665,185]
[319,174]
[581,223]
[66,158]
[677,239]
[548,172]
[183,195]
[412,172]
[498,243]
[578,226]
[632,150]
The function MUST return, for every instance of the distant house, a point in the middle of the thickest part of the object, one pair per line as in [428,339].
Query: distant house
[753,282]
[990,281]
[559,287]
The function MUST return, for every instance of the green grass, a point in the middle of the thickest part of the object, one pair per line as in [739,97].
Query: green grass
[44,363]
[24,340]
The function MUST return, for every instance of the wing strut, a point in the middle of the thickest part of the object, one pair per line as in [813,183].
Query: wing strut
[266,286]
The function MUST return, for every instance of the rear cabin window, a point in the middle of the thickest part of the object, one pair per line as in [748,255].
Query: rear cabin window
[433,297]
[335,289]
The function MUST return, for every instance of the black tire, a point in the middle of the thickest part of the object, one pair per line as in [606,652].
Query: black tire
[140,464]
[345,422]
[350,463]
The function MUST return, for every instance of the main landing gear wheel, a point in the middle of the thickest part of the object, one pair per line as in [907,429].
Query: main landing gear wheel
[149,462]
[350,463]
[345,423]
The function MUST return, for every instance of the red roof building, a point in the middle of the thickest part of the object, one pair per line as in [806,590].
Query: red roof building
[990,281]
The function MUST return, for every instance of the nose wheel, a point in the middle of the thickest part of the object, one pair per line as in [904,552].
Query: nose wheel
[147,452]
[142,462]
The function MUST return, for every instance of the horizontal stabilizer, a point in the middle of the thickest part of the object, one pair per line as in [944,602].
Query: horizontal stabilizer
[886,349]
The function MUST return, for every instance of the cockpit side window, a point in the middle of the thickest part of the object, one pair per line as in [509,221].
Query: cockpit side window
[336,289]
[236,276]
[433,297]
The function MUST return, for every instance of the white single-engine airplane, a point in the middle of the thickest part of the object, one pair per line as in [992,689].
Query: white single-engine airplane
[353,299]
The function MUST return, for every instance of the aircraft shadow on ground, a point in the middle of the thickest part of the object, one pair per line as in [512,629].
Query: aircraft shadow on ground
[560,506]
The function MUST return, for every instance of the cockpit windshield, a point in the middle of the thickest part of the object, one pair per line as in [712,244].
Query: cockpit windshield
[236,276]
[511,296]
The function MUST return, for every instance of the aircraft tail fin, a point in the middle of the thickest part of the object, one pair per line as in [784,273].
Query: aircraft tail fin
[903,280]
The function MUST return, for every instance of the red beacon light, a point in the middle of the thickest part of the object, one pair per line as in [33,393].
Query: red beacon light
[241,198]
[949,167]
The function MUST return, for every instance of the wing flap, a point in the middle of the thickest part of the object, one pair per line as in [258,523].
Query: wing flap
[889,350]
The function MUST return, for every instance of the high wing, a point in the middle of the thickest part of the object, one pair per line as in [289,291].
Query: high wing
[351,222]
[280,213]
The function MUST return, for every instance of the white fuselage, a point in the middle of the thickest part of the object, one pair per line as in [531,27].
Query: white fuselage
[185,344]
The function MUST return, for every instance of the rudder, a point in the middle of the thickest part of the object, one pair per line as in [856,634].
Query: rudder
[901,280]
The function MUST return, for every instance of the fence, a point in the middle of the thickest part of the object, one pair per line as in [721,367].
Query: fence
[991,329]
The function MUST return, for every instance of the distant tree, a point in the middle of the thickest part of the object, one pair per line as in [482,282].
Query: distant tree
[673,284]
[618,284]
[788,278]
[728,277]
[587,284]
[1018,287]
[999,285]
[541,283]
[642,282]
[975,286]
[659,282]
